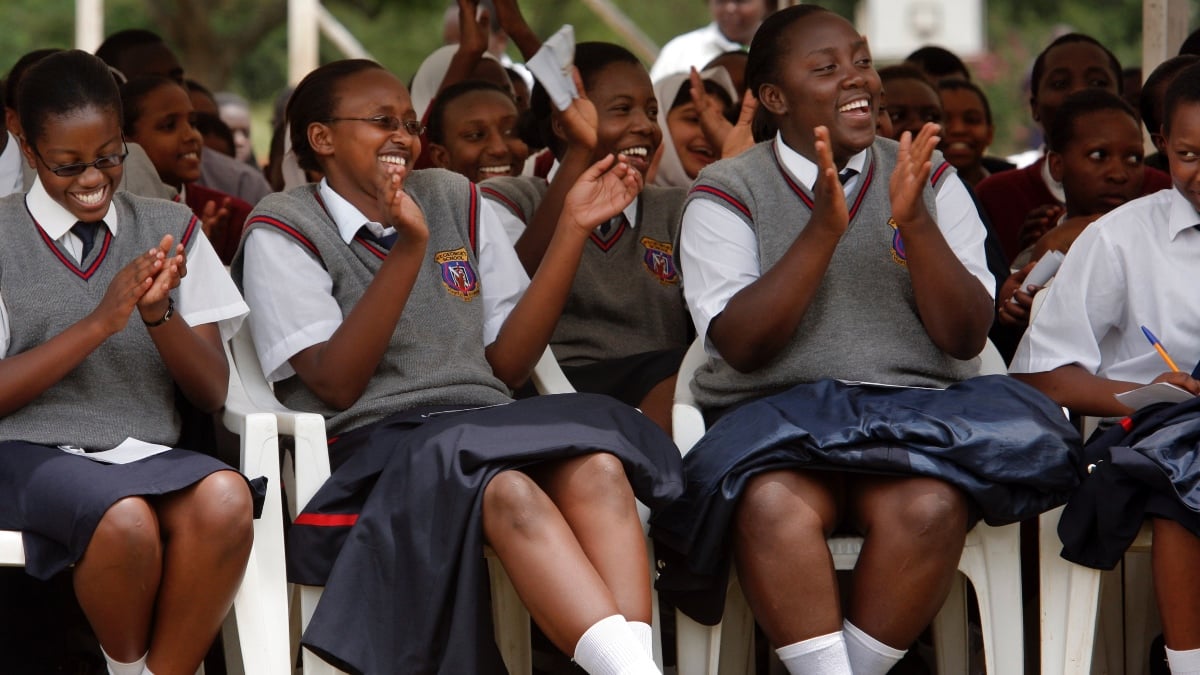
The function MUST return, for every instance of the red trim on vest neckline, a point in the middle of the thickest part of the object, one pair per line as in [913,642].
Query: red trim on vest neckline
[372,248]
[66,261]
[862,189]
[606,246]
[326,519]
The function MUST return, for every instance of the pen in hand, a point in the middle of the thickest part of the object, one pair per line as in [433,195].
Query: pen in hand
[1159,348]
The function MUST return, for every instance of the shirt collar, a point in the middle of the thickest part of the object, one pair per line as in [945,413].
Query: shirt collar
[1055,187]
[54,218]
[1183,215]
[346,216]
[805,171]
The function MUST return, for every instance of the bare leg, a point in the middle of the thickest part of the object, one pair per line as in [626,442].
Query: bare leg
[783,562]
[1175,558]
[208,530]
[118,576]
[594,497]
[563,592]
[658,402]
[914,530]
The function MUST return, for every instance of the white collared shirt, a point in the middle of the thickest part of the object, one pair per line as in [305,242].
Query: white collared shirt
[719,252]
[294,293]
[12,174]
[695,48]
[207,294]
[1138,265]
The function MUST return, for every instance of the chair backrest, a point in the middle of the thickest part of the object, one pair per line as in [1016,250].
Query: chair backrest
[548,377]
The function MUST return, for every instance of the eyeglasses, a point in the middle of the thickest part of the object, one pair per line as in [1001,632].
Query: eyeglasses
[101,163]
[386,122]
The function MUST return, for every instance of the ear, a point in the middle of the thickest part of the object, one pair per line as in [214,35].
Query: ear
[771,99]
[439,155]
[1160,142]
[1033,109]
[556,126]
[27,150]
[320,137]
[1055,162]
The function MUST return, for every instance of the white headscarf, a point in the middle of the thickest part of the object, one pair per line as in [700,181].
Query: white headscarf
[670,167]
[428,80]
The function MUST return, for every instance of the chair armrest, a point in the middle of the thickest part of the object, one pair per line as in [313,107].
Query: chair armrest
[548,377]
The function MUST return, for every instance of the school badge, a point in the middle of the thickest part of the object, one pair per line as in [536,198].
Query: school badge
[660,260]
[457,273]
[898,254]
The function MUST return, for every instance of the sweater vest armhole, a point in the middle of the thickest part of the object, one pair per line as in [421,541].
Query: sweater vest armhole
[504,200]
[719,196]
[473,220]
[189,232]
[938,174]
[279,225]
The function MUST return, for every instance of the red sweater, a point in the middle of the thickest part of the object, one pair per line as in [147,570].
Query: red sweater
[1008,197]
[226,239]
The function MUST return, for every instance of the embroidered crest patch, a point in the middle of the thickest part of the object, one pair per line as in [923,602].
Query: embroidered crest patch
[660,260]
[898,254]
[457,274]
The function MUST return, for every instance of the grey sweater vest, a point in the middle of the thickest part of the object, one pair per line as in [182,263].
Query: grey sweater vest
[122,389]
[862,323]
[626,298]
[436,354]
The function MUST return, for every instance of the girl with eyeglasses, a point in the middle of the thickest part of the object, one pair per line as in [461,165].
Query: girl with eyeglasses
[390,301]
[109,303]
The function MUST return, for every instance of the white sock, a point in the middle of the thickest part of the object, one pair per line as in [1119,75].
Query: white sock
[869,656]
[821,655]
[610,648]
[115,667]
[1185,662]
[644,634]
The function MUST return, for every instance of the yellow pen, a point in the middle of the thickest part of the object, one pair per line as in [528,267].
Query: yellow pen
[1159,348]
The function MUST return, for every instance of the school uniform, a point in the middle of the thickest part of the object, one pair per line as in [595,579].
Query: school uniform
[1001,442]
[1134,267]
[395,535]
[122,389]
[624,328]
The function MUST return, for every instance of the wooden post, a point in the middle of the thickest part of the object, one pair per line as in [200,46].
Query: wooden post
[1164,28]
[303,39]
[89,24]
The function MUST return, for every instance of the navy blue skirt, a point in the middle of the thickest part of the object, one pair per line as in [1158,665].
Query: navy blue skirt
[56,499]
[395,534]
[1005,445]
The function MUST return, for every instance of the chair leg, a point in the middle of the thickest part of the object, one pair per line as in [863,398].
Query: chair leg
[950,635]
[737,632]
[698,647]
[510,620]
[992,563]
[1070,596]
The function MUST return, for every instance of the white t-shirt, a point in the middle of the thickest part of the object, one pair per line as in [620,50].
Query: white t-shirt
[696,48]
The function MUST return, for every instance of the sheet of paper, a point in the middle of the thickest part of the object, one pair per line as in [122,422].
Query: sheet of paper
[130,450]
[1045,269]
[1159,392]
[552,66]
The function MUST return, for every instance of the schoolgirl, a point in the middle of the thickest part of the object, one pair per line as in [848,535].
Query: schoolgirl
[624,329]
[108,302]
[390,302]
[797,279]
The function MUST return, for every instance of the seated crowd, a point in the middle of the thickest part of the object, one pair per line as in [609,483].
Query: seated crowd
[834,237]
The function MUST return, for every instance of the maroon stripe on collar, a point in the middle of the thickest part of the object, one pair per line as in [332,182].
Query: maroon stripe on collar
[868,177]
[606,246]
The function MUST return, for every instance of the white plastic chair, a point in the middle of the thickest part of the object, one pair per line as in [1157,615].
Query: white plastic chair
[256,628]
[311,468]
[990,560]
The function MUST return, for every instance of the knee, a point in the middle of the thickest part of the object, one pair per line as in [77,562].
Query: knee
[937,513]
[769,509]
[223,510]
[513,500]
[600,479]
[129,525]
